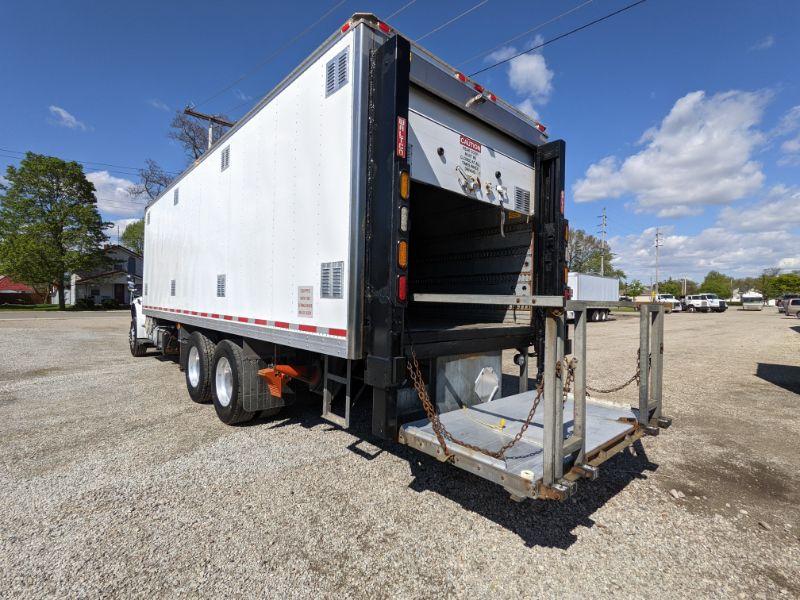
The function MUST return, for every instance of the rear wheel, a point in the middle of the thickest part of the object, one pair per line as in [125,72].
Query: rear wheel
[690,308]
[137,348]
[199,358]
[604,315]
[594,316]
[227,384]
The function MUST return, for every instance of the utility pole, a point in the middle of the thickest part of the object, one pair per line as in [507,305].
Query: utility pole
[603,231]
[659,242]
[212,120]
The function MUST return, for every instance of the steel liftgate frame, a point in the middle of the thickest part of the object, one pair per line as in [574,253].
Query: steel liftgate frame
[599,430]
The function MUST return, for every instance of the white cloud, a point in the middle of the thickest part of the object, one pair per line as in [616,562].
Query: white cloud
[65,119]
[700,154]
[778,211]
[112,195]
[156,103]
[715,248]
[119,225]
[528,75]
[241,95]
[767,42]
[789,124]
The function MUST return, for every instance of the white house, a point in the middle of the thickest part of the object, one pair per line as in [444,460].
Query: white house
[110,283]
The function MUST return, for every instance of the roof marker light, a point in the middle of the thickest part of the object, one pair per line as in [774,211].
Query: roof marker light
[346,26]
[461,77]
[384,27]
[492,97]
[478,88]
[540,127]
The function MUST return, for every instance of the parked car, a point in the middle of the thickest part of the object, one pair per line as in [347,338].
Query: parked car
[715,303]
[670,299]
[694,303]
[783,300]
[792,307]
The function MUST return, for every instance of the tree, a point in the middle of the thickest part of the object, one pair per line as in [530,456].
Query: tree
[635,288]
[717,283]
[49,223]
[778,285]
[152,181]
[192,134]
[670,286]
[584,254]
[133,236]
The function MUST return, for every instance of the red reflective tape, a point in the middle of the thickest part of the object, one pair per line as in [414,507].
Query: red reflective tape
[214,316]
[194,312]
[308,328]
[227,317]
[402,136]
[338,332]
[243,319]
[259,321]
[203,314]
[281,324]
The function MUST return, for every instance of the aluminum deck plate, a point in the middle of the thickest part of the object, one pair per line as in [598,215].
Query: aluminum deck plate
[523,465]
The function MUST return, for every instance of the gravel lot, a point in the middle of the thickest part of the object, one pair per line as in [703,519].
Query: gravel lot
[113,482]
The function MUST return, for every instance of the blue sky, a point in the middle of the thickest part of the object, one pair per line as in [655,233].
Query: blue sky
[683,115]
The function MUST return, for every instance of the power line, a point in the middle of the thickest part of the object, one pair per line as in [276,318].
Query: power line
[399,10]
[113,169]
[558,37]
[528,32]
[453,20]
[272,55]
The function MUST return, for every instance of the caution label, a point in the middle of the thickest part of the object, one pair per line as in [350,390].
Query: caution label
[305,301]
[470,158]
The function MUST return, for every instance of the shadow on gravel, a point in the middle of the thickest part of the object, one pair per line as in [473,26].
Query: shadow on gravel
[785,376]
[538,523]
[796,328]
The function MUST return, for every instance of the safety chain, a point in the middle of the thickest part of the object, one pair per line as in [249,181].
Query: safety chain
[441,431]
[635,377]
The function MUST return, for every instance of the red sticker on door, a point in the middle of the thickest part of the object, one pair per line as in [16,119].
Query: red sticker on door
[402,136]
[470,143]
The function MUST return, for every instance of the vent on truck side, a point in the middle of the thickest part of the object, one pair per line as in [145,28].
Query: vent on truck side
[175,196]
[522,200]
[225,158]
[220,286]
[336,72]
[331,280]
[172,287]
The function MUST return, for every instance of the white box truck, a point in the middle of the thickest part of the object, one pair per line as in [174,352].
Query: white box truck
[594,288]
[375,221]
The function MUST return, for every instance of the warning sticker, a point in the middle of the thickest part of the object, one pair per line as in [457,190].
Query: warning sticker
[305,301]
[470,158]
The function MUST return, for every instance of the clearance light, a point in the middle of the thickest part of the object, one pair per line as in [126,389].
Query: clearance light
[405,185]
[345,27]
[402,288]
[402,254]
[492,97]
[384,27]
[404,219]
[461,77]
[478,88]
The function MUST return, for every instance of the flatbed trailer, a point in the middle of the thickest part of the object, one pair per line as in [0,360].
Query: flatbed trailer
[381,224]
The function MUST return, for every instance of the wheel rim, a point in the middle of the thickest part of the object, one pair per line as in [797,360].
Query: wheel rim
[132,336]
[224,381]
[193,366]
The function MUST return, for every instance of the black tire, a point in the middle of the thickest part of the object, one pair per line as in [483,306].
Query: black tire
[199,360]
[226,384]
[594,316]
[604,315]
[690,308]
[137,348]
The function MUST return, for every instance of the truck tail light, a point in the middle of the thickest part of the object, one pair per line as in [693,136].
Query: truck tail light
[402,288]
[405,185]
[404,219]
[567,293]
[402,254]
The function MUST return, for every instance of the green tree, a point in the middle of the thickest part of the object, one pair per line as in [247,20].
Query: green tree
[717,283]
[670,286]
[133,236]
[49,224]
[585,253]
[778,285]
[635,288]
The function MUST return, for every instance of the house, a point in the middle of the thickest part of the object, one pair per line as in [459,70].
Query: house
[12,292]
[109,283]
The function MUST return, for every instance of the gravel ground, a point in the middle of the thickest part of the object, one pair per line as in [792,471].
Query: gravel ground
[113,482]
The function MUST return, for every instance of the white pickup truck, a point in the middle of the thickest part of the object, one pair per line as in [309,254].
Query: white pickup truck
[704,302]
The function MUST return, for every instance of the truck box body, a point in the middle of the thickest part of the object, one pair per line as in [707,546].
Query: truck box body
[593,287]
[265,236]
